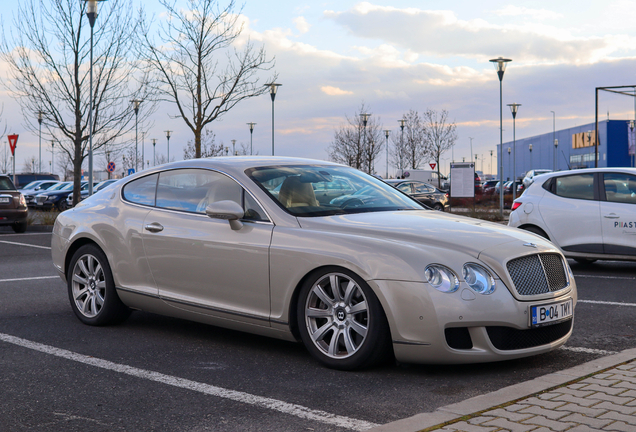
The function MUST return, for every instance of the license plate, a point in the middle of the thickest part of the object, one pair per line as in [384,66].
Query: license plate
[551,313]
[4,200]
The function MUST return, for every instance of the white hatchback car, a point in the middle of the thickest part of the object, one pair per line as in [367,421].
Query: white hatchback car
[589,214]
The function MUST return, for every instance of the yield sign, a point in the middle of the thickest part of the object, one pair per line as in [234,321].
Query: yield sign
[13,141]
[433,166]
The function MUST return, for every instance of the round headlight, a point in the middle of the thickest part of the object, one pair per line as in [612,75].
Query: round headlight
[441,278]
[478,278]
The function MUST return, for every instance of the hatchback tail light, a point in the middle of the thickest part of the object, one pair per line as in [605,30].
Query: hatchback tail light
[515,205]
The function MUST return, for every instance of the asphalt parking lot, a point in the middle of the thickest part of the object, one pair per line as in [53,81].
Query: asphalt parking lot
[158,373]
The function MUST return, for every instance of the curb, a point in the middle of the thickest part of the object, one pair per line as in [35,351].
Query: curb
[505,395]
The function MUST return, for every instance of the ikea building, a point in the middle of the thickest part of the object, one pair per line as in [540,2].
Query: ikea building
[570,149]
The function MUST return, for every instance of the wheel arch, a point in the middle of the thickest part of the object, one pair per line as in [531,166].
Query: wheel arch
[530,227]
[78,243]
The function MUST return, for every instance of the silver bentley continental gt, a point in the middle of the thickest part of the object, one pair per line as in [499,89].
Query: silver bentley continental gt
[265,245]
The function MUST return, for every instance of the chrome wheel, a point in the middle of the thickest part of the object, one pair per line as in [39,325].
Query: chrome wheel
[88,286]
[337,315]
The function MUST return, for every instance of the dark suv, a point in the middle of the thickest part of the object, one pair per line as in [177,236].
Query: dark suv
[13,208]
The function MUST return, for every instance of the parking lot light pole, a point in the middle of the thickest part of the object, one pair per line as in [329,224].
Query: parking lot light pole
[554,139]
[136,103]
[91,13]
[40,113]
[514,107]
[556,145]
[52,156]
[509,158]
[154,153]
[402,122]
[168,137]
[365,119]
[233,147]
[530,148]
[251,125]
[273,88]
[386,133]
[500,66]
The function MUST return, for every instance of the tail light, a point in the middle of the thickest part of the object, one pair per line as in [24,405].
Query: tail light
[515,205]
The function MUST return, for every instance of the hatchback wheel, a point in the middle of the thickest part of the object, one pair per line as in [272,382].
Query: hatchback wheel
[341,321]
[91,288]
[20,227]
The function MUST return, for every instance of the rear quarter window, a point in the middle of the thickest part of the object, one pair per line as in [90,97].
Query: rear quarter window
[579,186]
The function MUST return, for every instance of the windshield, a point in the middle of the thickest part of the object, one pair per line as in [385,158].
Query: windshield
[32,185]
[314,190]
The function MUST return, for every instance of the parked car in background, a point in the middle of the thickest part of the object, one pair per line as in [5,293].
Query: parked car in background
[488,187]
[35,188]
[13,208]
[589,214]
[55,199]
[425,193]
[206,240]
[530,175]
[24,179]
[84,192]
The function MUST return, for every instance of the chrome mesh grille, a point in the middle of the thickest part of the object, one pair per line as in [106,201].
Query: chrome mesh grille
[40,199]
[537,274]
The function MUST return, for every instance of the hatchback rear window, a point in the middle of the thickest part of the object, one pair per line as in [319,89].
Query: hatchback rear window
[576,186]
[6,184]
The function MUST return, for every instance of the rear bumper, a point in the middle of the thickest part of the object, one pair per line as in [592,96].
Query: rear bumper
[10,216]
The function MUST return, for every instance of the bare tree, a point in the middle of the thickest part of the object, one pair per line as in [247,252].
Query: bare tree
[415,145]
[197,67]
[208,147]
[48,60]
[440,135]
[356,145]
[30,165]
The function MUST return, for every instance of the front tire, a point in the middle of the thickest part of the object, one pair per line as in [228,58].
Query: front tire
[91,288]
[341,321]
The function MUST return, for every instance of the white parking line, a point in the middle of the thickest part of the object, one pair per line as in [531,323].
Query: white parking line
[25,244]
[29,278]
[260,401]
[588,350]
[607,303]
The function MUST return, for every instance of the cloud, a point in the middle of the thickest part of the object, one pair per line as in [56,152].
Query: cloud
[539,14]
[442,34]
[301,24]
[334,91]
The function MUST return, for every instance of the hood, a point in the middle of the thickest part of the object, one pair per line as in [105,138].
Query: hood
[424,228]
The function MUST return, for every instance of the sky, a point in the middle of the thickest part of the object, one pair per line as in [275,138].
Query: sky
[394,56]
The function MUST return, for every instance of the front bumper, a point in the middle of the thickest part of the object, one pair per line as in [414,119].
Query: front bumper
[419,317]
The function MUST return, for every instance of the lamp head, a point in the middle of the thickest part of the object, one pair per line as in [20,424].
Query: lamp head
[168,134]
[632,124]
[500,66]
[365,118]
[402,122]
[556,142]
[530,147]
[273,88]
[508,150]
[386,133]
[40,116]
[514,107]
[91,11]
[251,125]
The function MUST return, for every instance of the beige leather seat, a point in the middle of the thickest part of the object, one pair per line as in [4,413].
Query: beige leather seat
[293,193]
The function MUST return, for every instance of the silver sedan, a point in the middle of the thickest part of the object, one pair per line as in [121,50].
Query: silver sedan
[251,243]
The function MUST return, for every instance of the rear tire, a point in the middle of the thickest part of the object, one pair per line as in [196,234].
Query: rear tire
[341,321]
[438,207]
[91,288]
[20,227]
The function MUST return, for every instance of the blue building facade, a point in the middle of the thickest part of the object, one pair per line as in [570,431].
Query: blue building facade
[575,149]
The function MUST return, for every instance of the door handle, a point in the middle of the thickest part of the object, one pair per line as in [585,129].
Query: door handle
[611,216]
[154,227]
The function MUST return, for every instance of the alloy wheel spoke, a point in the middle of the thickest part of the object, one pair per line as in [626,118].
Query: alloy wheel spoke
[79,294]
[359,307]
[333,345]
[349,345]
[335,287]
[319,313]
[358,328]
[82,266]
[320,333]
[351,286]
[322,295]
[91,264]
[77,278]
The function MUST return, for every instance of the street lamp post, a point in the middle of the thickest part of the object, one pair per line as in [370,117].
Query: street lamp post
[365,119]
[40,113]
[471,146]
[514,107]
[556,145]
[273,88]
[402,122]
[154,153]
[530,148]
[386,134]
[631,141]
[233,147]
[52,156]
[136,103]
[500,66]
[490,162]
[91,13]
[168,137]
[251,125]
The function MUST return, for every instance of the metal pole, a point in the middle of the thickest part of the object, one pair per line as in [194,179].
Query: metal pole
[386,133]
[52,156]
[40,160]
[501,188]
[553,138]
[596,129]
[273,125]
[514,145]
[154,152]
[136,142]
[90,126]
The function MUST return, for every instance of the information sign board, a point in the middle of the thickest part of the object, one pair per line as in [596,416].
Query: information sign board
[462,184]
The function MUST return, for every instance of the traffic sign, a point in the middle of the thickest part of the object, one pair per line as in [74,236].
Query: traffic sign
[13,142]
[131,171]
[433,166]
[110,167]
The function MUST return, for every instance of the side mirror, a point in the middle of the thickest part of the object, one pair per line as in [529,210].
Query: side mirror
[228,210]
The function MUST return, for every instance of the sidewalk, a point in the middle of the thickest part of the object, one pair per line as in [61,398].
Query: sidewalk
[596,396]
